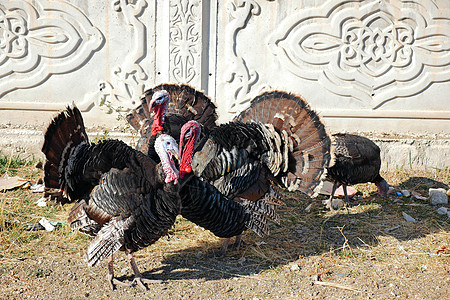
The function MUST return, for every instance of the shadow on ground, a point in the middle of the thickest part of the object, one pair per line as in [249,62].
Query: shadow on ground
[308,233]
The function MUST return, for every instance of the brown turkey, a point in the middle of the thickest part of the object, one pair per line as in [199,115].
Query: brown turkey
[172,105]
[277,140]
[125,200]
[356,160]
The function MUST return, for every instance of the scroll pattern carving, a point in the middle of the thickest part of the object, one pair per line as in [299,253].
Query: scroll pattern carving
[185,46]
[366,50]
[127,81]
[40,39]
[238,75]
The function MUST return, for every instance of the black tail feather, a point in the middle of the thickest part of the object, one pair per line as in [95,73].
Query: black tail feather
[64,134]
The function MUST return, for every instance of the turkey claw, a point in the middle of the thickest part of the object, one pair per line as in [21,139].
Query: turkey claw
[139,281]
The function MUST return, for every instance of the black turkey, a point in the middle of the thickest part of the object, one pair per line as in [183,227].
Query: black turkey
[356,160]
[205,206]
[173,105]
[125,200]
[282,141]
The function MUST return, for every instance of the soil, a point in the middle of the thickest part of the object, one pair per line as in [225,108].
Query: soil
[366,252]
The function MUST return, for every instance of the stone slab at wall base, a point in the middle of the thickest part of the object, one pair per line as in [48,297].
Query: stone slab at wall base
[27,143]
[397,152]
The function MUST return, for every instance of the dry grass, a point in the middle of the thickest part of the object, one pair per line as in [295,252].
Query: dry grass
[355,251]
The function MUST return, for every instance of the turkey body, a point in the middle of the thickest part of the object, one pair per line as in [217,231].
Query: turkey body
[207,207]
[124,199]
[277,140]
[356,160]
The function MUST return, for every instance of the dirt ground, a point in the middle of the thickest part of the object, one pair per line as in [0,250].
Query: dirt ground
[367,252]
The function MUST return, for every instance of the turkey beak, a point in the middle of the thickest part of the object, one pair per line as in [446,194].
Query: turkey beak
[174,153]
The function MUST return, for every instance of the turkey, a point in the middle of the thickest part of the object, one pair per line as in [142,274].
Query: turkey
[282,141]
[356,160]
[205,206]
[124,199]
[173,106]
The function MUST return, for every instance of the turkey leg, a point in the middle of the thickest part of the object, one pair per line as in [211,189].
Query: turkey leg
[138,278]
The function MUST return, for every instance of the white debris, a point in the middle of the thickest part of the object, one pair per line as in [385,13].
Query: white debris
[438,196]
[41,202]
[44,222]
[408,218]
[295,267]
[442,210]
[406,193]
[37,188]
[308,208]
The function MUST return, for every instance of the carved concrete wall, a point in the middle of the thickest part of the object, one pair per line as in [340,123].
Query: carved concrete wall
[369,65]
[365,65]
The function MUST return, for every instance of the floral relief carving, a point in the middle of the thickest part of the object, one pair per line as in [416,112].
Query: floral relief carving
[239,77]
[185,46]
[40,39]
[126,85]
[366,50]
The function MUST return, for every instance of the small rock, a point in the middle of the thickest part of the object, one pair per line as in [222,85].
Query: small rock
[438,196]
[342,274]
[336,203]
[418,196]
[442,210]
[408,218]
[406,193]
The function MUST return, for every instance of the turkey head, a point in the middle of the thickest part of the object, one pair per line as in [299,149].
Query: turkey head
[167,149]
[159,103]
[190,133]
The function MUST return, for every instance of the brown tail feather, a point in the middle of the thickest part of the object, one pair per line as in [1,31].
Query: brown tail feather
[305,140]
[184,100]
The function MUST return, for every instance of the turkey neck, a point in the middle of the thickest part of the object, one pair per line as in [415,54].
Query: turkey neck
[187,152]
[158,120]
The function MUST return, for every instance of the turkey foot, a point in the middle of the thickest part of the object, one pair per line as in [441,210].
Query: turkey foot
[239,241]
[138,278]
[221,252]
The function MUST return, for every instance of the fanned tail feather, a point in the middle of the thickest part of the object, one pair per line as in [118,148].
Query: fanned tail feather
[64,134]
[299,141]
[184,100]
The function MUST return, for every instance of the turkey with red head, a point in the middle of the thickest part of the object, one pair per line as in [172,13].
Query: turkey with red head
[205,206]
[277,140]
[356,160]
[173,105]
[125,200]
